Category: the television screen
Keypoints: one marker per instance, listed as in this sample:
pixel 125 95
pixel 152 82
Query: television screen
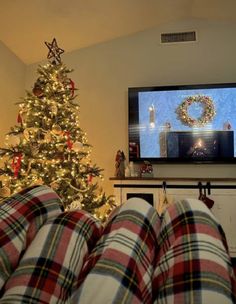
pixel 190 123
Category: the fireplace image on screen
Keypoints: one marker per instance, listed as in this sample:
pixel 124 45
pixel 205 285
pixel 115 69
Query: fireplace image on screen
pixel 200 144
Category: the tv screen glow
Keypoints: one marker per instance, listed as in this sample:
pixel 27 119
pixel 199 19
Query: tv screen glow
pixel 190 123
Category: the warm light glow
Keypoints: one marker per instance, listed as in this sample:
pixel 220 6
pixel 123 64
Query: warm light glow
pixel 199 143
pixel 151 116
pixel 45 152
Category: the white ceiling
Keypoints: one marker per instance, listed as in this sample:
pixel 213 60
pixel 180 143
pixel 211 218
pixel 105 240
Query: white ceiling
pixel 26 24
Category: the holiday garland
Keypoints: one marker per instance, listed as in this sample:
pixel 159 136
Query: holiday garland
pixel 207 114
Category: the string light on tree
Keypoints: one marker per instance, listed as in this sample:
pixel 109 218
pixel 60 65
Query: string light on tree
pixel 47 146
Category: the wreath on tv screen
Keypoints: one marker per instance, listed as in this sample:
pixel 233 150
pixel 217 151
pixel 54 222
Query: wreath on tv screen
pixel 207 114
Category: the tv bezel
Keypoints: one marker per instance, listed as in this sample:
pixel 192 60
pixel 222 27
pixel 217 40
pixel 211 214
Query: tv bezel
pixel 133 104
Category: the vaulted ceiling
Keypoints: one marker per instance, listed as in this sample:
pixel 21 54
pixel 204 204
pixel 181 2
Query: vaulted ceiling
pixel 26 24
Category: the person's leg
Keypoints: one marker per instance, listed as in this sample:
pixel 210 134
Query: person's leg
pixel 21 216
pixel 193 264
pixel 120 268
pixel 53 261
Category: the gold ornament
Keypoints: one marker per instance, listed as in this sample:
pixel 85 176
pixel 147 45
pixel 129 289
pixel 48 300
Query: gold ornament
pixel 48 137
pixel 54 109
pixel 34 172
pixel 207 115
pixel 77 146
pixel 56 129
pixel 54 185
pixel 37 182
pixel 26 134
pixel 5 192
pixel 34 149
pixel 76 204
pixel 29 167
pixel 60 147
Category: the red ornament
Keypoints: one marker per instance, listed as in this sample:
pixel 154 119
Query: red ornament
pixel 90 178
pixel 68 141
pixel 72 87
pixel 37 91
pixel 19 118
pixel 16 163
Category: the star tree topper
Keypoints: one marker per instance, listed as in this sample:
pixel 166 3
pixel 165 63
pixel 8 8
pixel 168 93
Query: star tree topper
pixel 54 51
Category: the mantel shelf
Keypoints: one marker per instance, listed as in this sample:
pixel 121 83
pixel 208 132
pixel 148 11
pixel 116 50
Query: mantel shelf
pixel 186 179
pixel 222 190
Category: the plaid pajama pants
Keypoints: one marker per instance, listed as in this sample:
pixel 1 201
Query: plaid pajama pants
pixel 136 258
pixel 51 264
pixel 192 263
pixel 179 259
pixel 120 268
pixel 21 216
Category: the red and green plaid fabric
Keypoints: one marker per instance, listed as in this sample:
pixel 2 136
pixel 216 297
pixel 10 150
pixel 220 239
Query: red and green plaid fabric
pixel 193 264
pixel 54 259
pixel 21 217
pixel 120 268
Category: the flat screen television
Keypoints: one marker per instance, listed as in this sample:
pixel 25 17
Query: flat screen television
pixel 182 123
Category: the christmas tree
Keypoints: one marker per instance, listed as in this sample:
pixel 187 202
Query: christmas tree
pixel 47 146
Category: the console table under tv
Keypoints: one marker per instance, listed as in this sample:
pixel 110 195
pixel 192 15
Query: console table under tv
pixel 221 190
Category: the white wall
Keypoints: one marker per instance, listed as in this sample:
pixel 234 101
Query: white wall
pixel 12 75
pixel 104 72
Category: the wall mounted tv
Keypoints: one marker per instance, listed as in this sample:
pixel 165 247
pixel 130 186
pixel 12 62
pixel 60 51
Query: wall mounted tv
pixel 183 123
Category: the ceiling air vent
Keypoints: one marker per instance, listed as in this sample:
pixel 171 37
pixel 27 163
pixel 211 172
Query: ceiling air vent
pixel 178 37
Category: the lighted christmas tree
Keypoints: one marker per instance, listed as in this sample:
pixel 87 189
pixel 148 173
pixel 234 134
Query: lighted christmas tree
pixel 47 146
